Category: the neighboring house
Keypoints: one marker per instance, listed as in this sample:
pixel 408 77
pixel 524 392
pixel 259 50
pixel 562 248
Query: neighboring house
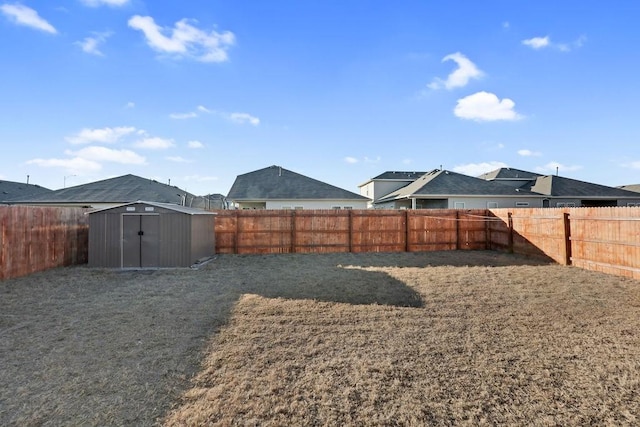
pixel 10 190
pixel 385 183
pixel 210 202
pixel 632 187
pixel 110 192
pixel 563 192
pixel 442 189
pixel 275 187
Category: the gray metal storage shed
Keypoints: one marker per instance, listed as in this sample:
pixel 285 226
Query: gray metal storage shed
pixel 149 235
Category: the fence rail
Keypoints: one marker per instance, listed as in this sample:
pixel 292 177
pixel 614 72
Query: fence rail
pixel 38 238
pixel 600 239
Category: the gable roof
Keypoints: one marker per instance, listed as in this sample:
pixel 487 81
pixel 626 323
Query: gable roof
pixel 176 208
pixel 10 190
pixel 275 182
pixel 509 173
pixel 122 189
pixel 558 186
pixel 446 183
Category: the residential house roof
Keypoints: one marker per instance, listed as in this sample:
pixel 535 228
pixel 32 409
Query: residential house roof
pixel 10 190
pixel 632 187
pixel 446 183
pixel 276 182
pixel 509 173
pixel 559 186
pixel 122 189
pixel 394 176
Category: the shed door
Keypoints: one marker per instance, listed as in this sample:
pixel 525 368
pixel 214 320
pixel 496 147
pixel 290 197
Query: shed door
pixel 140 240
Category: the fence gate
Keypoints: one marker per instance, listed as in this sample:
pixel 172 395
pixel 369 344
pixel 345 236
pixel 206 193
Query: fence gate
pixel 140 240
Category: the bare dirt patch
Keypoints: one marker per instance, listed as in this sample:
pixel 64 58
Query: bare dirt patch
pixel 336 339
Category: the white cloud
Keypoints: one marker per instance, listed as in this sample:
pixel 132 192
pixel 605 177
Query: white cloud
pixel 76 165
pixel 195 144
pixel 130 105
pixel 537 42
pixel 103 154
pixel 242 118
pixel 350 160
pixel 155 143
pixel 632 165
pixel 23 15
pixel 545 42
pixel 183 116
pixel 460 77
pixel 178 159
pixel 185 40
pixel 407 161
pixel 91 44
pixel 485 106
pixel 96 3
pixel 103 135
pixel 476 169
pixel 552 167
pixel 506 25
pixel 204 109
pixel 529 153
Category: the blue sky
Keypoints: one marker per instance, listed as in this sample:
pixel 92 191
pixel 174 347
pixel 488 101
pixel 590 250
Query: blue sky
pixel 199 92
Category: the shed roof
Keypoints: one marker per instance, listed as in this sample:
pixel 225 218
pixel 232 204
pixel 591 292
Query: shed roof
pixel 177 208
pixel 276 182
pixel 122 189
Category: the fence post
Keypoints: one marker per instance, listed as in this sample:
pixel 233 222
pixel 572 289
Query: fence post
pixel 293 231
pixel 407 231
pixel 487 231
pixel 510 222
pixel 350 230
pixel 237 233
pixel 567 238
pixel 457 230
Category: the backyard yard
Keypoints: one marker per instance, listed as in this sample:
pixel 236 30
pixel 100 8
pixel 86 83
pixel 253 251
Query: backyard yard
pixel 435 338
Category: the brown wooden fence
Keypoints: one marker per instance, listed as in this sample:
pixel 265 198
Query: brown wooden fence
pixel 599 239
pixel 36 238
pixel 289 231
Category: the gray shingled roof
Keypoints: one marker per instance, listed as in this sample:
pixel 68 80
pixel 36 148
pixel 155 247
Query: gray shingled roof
pixel 275 182
pixel 399 175
pixel 443 183
pixel 509 173
pixel 122 189
pixel 10 190
pixel 558 186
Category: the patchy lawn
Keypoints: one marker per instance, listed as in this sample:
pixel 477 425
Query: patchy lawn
pixel 337 339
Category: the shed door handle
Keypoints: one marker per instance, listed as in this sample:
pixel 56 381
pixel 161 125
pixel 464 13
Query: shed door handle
pixel 140 233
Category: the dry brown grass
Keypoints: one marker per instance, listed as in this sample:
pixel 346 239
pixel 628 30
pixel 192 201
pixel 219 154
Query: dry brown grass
pixel 528 345
pixel 444 338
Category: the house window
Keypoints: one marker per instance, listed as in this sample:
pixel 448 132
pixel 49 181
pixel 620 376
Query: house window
pixel 633 204
pixel 298 208
pixel 348 207
pixel 286 208
pixel 522 204
pixel 458 205
pixel 336 207
pixel 565 205
pixel 492 205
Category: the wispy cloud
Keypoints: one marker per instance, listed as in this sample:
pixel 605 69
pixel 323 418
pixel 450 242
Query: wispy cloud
pixel 486 107
pixel 155 143
pixel 195 144
pixel 104 154
pixel 112 3
pixel 91 44
pixel 461 76
pixel 184 39
pixel 350 160
pixel 538 43
pixel 183 116
pixel 178 159
pixel 553 167
pixel 529 153
pixel 23 15
pixel 130 104
pixel 103 135
pixel 476 169
pixel 76 165
pixel 244 118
